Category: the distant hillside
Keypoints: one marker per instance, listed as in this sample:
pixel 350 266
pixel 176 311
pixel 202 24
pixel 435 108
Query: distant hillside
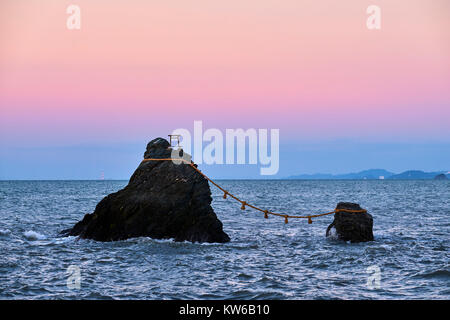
pixel 366 174
pixel 415 174
pixel 315 176
pixel 372 174
pixel 441 177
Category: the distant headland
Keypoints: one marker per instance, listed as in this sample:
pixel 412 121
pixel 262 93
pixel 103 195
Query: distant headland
pixel 377 174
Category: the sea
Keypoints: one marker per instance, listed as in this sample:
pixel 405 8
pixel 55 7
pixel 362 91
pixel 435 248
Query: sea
pixel 266 258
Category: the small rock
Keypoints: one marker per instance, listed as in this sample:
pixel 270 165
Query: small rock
pixel 441 177
pixel 352 226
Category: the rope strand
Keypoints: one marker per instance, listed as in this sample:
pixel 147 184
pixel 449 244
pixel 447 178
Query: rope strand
pixel 244 203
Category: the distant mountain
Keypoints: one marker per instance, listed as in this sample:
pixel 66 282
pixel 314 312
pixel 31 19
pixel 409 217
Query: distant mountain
pixel 366 174
pixel 441 177
pixel 372 174
pixel 315 176
pixel 415 174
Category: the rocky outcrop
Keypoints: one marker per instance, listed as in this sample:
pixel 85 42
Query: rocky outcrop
pixel 162 200
pixel 352 226
pixel 441 177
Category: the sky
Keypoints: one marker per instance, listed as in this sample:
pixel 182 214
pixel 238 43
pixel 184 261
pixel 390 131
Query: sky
pixel 78 104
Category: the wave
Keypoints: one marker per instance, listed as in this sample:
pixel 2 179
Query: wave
pixel 33 235
pixel 441 273
pixel 333 234
pixel 5 232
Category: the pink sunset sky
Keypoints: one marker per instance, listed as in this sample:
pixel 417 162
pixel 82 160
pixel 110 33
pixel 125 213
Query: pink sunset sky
pixel 138 69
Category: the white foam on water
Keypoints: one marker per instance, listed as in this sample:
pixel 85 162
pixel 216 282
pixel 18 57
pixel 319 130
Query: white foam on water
pixel 33 235
pixel 4 232
pixel 65 239
pixel 333 234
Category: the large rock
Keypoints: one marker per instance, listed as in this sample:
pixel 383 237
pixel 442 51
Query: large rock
pixel 162 200
pixel 352 226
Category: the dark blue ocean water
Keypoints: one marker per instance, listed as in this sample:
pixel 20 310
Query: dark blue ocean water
pixel 266 259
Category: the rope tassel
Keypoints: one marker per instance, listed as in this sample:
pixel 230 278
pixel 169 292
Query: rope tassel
pixel 266 214
pixel 286 219
pixel 309 220
pixel 243 205
pixel 225 195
